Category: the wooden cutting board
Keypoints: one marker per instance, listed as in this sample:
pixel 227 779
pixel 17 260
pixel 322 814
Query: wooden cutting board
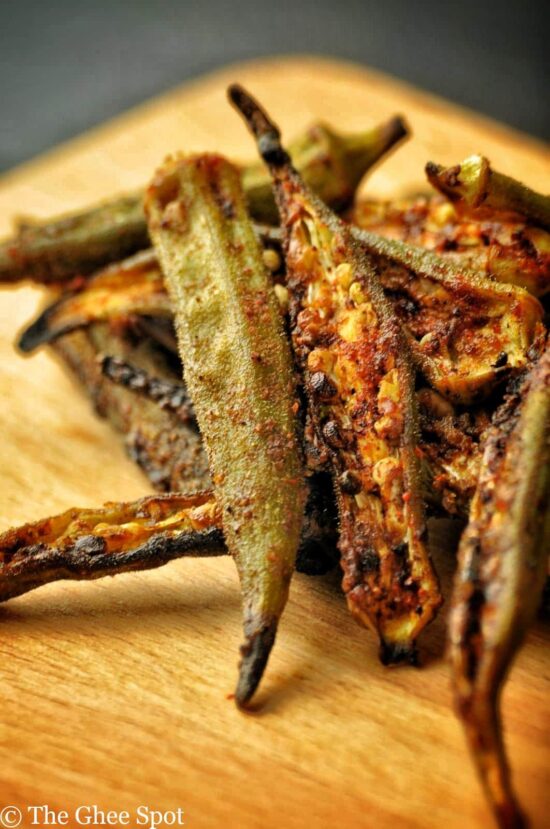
pixel 115 693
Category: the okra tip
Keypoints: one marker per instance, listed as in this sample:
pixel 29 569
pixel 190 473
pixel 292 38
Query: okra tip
pixel 255 653
pixel 397 653
pixel 394 130
pixel 260 125
pixel 36 334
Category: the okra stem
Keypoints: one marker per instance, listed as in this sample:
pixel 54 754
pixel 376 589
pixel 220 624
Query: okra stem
pixel 331 164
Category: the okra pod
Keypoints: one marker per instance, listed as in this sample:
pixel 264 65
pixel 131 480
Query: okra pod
pixel 133 287
pixel 92 543
pixel 81 243
pixel 473 185
pixel 501 573
pixel 503 247
pixel 467 332
pixel 75 245
pixel 83 544
pixel 166 444
pixel 330 163
pixel 239 373
pixel 359 379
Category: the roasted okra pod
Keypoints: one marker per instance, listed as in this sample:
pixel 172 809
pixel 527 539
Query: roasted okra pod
pixel 501 573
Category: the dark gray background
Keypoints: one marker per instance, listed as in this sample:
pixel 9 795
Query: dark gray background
pixel 69 64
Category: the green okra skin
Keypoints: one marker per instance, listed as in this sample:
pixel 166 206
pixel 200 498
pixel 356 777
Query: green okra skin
pixel 473 184
pixel 501 574
pixel 239 374
pixel 75 245
pixel 81 243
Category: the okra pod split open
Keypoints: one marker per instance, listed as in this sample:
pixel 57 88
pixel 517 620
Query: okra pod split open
pixel 239 373
pixel 132 287
pixel 473 185
pixel 92 543
pixel 84 544
pixel 467 332
pixel 81 243
pixel 359 379
pixel 501 573
pixel 448 444
pixel 507 248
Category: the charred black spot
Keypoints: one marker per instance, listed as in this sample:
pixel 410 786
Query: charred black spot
pixel 269 146
pixel 368 561
pixel 401 550
pixel 485 496
pixel 91 545
pixel 315 558
pixel 393 653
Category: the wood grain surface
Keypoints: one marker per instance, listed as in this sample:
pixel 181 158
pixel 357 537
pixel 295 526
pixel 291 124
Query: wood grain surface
pixel 116 692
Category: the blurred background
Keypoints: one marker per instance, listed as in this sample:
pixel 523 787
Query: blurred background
pixel 68 65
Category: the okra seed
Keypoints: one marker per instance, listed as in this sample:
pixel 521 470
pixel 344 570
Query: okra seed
pixel 331 434
pixel 272 259
pixel 322 386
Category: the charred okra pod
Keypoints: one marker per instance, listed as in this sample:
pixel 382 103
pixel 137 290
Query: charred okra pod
pixel 501 573
pixel 84 544
pixel 167 394
pixel 81 243
pixel 89 544
pixel 239 373
pixel 360 384
pixel 132 287
pixel 166 444
pixel 450 448
pixel 473 185
pixel 467 332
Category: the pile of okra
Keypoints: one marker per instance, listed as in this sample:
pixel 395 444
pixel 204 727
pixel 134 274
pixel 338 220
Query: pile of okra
pixel 306 377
